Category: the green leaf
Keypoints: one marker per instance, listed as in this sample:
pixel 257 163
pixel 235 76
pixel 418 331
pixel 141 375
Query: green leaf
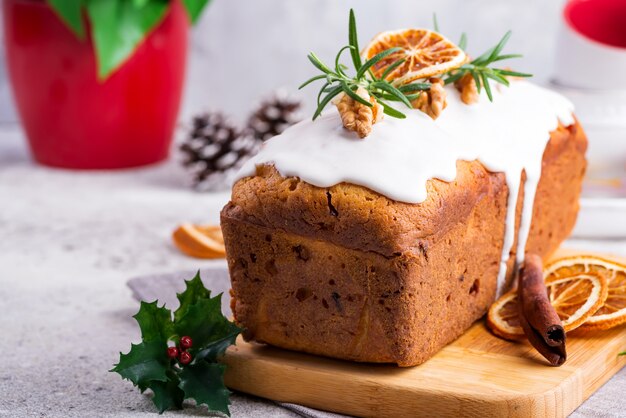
pixel 623 353
pixel 144 362
pixel 204 323
pixel 70 12
pixel 375 59
pixel 215 349
pixel 326 88
pixel 485 81
pixel 514 73
pixel 118 27
pixel 204 382
pixel 435 22
pixel 414 87
pixel 476 80
pixel 319 64
pixel 390 111
pixel 194 291
pixel 167 395
pixel 481 60
pixel 140 3
pixel 496 77
pixel 353 41
pixel 496 51
pixel 463 41
pixel 326 100
pixel 392 67
pixel 194 8
pixel 311 80
pixel 393 91
pixel 353 95
pixel 339 69
pixel 507 57
pixel 455 76
pixel 155 322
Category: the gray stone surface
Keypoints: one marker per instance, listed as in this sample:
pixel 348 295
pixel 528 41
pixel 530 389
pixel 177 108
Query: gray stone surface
pixel 69 241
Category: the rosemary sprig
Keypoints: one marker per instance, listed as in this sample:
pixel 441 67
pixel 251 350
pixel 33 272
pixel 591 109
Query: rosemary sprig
pixel 480 68
pixel 338 81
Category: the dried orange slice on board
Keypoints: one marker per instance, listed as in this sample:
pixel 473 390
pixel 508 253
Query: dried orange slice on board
pixel 613 312
pixel 425 54
pixel 200 241
pixel 503 317
pixel 575 298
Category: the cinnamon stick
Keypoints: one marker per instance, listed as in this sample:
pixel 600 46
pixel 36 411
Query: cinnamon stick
pixel 538 318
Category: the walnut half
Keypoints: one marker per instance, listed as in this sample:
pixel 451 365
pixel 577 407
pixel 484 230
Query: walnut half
pixel 466 85
pixel 433 101
pixel 355 115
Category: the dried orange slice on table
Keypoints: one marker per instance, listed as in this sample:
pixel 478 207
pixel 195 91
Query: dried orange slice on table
pixel 425 54
pixel 613 312
pixel 575 295
pixel 200 241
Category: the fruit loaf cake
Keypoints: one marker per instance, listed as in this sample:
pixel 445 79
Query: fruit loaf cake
pixel 386 249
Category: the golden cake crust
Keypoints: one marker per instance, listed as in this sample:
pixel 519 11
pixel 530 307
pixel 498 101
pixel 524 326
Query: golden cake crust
pixel 346 272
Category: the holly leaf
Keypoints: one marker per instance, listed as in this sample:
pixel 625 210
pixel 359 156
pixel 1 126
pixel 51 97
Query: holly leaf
pixel 144 362
pixel 204 322
pixel 167 395
pixel 216 348
pixel 194 291
pixel 204 382
pixel 194 8
pixel 148 366
pixel 118 27
pixel 155 322
pixel 70 12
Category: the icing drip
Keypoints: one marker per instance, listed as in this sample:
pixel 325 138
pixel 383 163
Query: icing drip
pixel 508 136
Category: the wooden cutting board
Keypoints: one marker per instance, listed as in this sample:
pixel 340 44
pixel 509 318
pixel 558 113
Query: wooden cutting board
pixel 478 375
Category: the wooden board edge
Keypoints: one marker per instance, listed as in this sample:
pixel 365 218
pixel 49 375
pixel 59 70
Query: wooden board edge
pixel 250 372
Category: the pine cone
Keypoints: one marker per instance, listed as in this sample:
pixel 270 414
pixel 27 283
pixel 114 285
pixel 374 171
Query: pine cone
pixel 274 115
pixel 215 148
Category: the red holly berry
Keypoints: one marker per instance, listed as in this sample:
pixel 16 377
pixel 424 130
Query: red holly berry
pixel 185 342
pixel 184 358
pixel 172 352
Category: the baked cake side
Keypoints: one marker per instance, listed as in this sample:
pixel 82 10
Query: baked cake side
pixel 348 273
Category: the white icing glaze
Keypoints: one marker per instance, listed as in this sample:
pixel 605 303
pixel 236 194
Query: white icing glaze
pixel 401 155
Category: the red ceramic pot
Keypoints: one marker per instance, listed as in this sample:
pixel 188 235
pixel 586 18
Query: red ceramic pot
pixel 71 118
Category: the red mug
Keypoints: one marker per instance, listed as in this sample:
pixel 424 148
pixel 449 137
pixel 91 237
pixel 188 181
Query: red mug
pixel 591 48
pixel 74 120
pixel 602 21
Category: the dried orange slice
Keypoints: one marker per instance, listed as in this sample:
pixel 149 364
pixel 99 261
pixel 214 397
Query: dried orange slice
pixel 425 54
pixel 212 231
pixel 613 312
pixel 200 241
pixel 503 319
pixel 575 297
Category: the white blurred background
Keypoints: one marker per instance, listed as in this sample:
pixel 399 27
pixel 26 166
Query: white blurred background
pixel 241 50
